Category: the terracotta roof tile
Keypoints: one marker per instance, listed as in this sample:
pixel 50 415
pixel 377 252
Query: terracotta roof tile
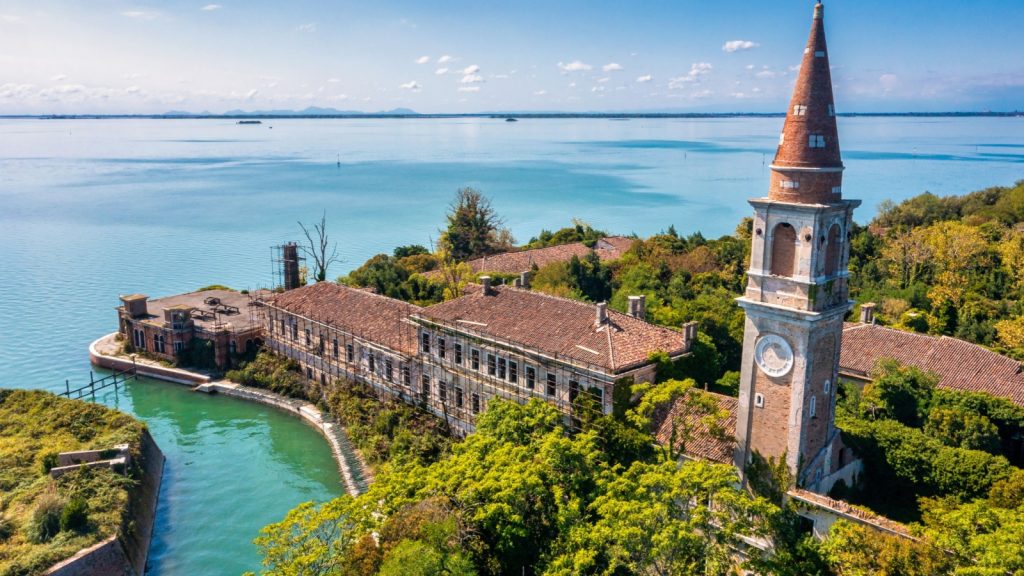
pixel 959 364
pixel 367 315
pixel 702 444
pixel 557 326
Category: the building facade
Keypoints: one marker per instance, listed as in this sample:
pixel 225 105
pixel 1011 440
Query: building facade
pixel 797 292
pixel 453 358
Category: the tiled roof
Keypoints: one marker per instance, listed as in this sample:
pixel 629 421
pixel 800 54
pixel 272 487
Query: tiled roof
pixel 960 365
pixel 846 509
pixel 608 248
pixel 367 315
pixel 702 444
pixel 557 326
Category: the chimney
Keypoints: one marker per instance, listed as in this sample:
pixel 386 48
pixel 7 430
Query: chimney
pixel 689 333
pixel 867 313
pixel 602 313
pixel 290 264
pixel 517 283
pixel 485 281
pixel 524 280
pixel 638 307
pixel 135 305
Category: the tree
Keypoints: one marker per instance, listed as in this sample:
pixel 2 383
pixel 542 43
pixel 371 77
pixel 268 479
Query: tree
pixel 319 248
pixel 311 540
pixel 957 427
pixel 455 275
pixel 898 392
pixel 856 550
pixel 474 228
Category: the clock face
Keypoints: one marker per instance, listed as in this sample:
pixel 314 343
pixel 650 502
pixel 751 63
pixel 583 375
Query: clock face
pixel 774 355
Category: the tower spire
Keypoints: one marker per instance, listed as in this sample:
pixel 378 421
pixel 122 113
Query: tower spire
pixel 808 166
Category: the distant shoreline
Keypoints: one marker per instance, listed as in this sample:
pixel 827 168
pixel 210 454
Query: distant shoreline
pixel 526 115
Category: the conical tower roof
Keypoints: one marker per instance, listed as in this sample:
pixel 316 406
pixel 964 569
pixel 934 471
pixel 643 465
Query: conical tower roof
pixel 808 165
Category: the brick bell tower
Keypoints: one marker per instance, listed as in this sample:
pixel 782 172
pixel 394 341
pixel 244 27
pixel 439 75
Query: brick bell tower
pixel 797 291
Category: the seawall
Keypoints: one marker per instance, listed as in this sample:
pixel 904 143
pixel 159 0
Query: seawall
pixel 355 474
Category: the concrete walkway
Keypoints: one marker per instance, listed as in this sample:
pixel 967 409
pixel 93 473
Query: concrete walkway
pixel 355 474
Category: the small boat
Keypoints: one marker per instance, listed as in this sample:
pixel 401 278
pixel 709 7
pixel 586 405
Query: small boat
pixel 250 122
pixel 511 120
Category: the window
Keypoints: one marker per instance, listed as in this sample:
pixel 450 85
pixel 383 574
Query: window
pixel 492 365
pixel 759 400
pixel 295 331
pixel 813 408
pixel 232 346
pixel 309 337
pixel 474 359
pixel 458 397
pixel 828 387
pixel 139 339
pixel 531 377
pixel 819 54
pixel 476 403
pixel 815 141
pixel 321 345
pixel 334 347
pixel 552 384
pixel 389 369
pixel 309 373
pixel 406 377
pixel 574 390
pixel 783 250
pixel 373 363
pixel 799 110
pixel 501 368
pixel 350 353
pixel 513 371
pixel 442 349
pixel 179 346
pixel 425 346
pixel 158 343
pixel 788 184
pixel 283 329
pixel 833 252
pixel 831 110
pixel 425 388
pixel 598 394
pixel 442 390
pixel 458 353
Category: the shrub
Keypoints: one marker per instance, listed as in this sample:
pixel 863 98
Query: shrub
pixel 6 528
pixel 271 372
pixel 75 517
pixel 45 521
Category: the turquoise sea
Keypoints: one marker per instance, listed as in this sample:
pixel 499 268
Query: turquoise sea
pixel 90 209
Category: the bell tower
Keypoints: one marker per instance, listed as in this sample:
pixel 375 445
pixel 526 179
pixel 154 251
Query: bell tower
pixel 797 292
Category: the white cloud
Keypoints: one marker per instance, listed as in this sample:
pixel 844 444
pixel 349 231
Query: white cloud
pixel 574 66
pixel 133 89
pixel 471 69
pixel 423 59
pixel 444 59
pixel 750 66
pixel 766 74
pixel 309 27
pixel 441 71
pixel 211 7
pixel 644 78
pixel 540 92
pixel 469 88
pixel 572 84
pixel 251 94
pixel 612 67
pixel 9 18
pixel 603 80
pixel 471 79
pixel 697 69
pixel 58 78
pixel 333 80
pixel 142 14
pixel 411 85
pixel 597 89
pixel 738 45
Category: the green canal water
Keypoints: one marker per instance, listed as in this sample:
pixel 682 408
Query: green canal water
pixel 232 466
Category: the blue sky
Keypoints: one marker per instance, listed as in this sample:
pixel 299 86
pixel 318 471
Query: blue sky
pixel 109 56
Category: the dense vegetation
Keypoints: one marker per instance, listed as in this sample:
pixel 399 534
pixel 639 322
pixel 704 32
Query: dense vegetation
pixel 271 372
pixel 42 520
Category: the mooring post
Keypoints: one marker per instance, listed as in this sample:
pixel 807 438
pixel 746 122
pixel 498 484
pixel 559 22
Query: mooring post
pixel 67 388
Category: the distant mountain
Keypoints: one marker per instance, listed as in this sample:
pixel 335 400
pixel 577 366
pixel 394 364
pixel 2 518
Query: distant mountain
pixel 310 111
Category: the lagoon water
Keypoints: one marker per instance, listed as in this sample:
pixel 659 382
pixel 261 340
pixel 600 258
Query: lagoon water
pixel 90 209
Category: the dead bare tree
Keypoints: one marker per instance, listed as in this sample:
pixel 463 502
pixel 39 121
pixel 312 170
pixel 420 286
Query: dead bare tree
pixel 319 248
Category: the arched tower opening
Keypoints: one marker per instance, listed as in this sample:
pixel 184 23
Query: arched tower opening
pixel 833 251
pixel 783 250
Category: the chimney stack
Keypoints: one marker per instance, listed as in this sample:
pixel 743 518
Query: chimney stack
pixel 524 280
pixel 517 283
pixel 602 313
pixel 689 333
pixel 867 313
pixel 485 281
pixel 290 261
pixel 638 307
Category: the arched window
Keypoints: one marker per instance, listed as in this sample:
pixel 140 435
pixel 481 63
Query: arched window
pixel 783 250
pixel 832 251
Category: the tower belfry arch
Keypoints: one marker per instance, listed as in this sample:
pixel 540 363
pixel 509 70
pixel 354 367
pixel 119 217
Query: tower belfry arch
pixel 797 292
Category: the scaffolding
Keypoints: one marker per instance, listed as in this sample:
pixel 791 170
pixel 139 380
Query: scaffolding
pixel 285 266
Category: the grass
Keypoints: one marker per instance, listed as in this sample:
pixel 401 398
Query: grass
pixel 42 520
